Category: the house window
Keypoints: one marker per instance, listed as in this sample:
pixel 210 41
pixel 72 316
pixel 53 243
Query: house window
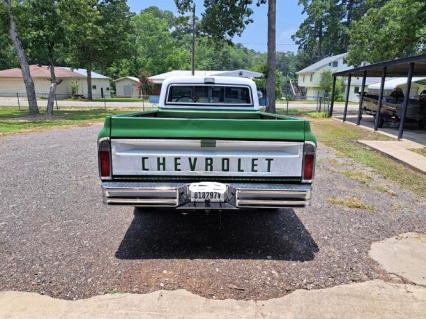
pixel 356 90
pixel 107 89
pixel 312 76
pixel 303 80
pixel 335 64
pixel 94 87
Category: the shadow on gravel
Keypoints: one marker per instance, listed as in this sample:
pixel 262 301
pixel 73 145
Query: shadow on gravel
pixel 278 235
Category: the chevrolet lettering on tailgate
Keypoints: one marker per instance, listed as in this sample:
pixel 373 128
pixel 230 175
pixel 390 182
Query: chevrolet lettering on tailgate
pixel 207 147
pixel 206 164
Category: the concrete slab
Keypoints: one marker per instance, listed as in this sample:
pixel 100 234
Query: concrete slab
pixel 367 123
pixel 372 299
pixel 400 150
pixel 403 255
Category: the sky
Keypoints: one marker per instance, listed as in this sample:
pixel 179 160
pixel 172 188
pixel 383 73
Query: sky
pixel 289 17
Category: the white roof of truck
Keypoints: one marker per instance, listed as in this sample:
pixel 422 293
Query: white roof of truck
pixel 208 80
pixel 159 78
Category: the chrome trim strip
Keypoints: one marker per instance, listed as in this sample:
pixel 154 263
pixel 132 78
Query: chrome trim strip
pixel 269 203
pixel 144 202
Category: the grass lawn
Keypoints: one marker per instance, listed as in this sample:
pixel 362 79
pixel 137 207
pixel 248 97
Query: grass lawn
pixel 343 138
pixel 421 151
pixel 15 121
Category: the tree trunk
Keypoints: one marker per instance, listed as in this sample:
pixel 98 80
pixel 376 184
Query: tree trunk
pixel 25 68
pixel 52 89
pixel 270 80
pixel 89 82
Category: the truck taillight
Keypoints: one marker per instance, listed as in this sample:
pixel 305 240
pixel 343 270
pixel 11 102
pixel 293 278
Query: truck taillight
pixel 104 156
pixel 308 161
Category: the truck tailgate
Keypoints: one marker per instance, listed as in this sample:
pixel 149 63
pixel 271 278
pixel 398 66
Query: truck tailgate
pixel 206 157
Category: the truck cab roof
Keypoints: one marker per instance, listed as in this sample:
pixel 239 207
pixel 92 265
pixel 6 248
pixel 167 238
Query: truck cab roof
pixel 209 92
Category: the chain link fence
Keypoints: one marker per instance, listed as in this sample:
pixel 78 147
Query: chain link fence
pixel 19 100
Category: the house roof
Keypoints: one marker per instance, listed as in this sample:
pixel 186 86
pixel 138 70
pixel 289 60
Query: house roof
pixel 83 72
pixel 398 67
pixel 37 71
pixel 394 83
pixel 43 72
pixel 324 62
pixel 159 78
pixel 132 78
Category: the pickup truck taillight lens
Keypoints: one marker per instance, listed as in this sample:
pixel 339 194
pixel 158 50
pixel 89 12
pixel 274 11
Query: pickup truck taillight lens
pixel 104 156
pixel 308 161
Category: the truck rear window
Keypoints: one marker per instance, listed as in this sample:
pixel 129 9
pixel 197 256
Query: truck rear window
pixel 209 94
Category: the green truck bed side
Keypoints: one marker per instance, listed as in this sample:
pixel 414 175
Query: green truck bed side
pixel 207 124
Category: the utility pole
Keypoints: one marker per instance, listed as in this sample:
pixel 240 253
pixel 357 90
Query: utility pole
pixel 193 40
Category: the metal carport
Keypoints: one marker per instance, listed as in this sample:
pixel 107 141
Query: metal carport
pixel 409 67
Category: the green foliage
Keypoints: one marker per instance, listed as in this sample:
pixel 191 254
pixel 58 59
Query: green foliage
pixel 161 42
pixel 42 31
pixel 233 15
pixel 339 91
pixel 399 31
pixel 326 81
pixel 97 31
pixel 279 83
pixel 7 52
pixel 325 30
pixel 155 48
pixel 74 88
pixel 326 84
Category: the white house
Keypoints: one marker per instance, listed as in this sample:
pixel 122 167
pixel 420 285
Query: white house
pixel 310 77
pixel 127 86
pixel 12 83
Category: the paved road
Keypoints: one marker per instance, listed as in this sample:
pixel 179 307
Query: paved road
pixel 57 238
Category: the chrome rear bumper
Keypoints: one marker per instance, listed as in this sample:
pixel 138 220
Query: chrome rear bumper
pixel 176 195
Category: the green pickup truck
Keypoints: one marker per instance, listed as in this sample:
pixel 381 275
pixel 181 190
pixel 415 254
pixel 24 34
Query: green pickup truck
pixel 208 146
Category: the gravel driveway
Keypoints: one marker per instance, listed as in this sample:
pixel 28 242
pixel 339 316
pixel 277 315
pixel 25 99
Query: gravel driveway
pixel 57 238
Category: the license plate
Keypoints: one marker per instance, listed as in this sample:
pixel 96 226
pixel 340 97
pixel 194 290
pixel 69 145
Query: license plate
pixel 207 191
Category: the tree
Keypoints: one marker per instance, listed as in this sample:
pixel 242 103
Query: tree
pixel 7 52
pixel 272 56
pixel 161 42
pixel 97 33
pixel 234 15
pixel 325 30
pixel 321 33
pixel 261 83
pixel 326 84
pixel 44 38
pixel 156 49
pixel 399 31
pixel 15 37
